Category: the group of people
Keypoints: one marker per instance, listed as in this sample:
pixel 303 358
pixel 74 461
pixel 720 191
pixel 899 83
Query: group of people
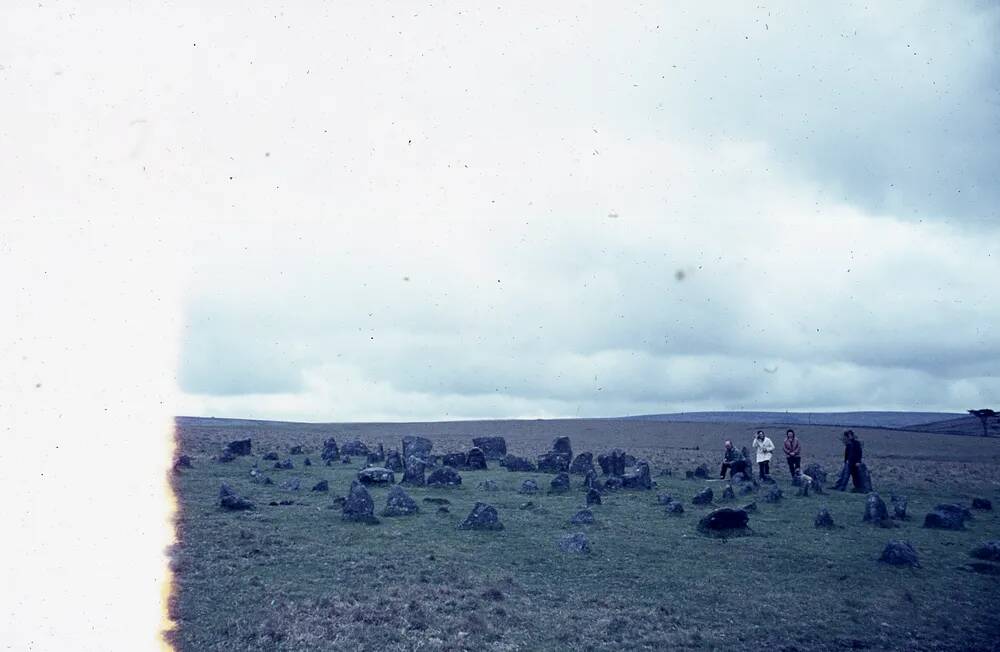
pixel 735 461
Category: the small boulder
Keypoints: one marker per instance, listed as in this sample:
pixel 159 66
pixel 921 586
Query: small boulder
pixel 824 519
pixel 376 475
pixel 393 461
pixel 454 460
pixel 674 509
pixel 562 446
pixel 413 474
pixel 725 521
pixel 553 462
pixel 229 500
pixel 482 517
pixel 582 517
pixel 527 506
pixel 330 451
pixel 898 507
pixel 444 477
pixel 638 478
pixel 529 487
pixel 416 446
pixel 612 462
pixel 182 462
pixel 575 543
pixel 475 460
pixel 899 553
pixel 593 497
pixel 590 480
pixel 817 473
pixel 515 463
pixel 701 472
pixel 355 447
pixel 225 456
pixel 728 493
pixel 271 457
pixel 239 447
pixel 773 495
pixel 613 482
pixel 494 448
pixel 291 484
pixel 947 517
pixel 747 488
pixel 286 465
pixel 307 462
pixel 399 503
pixel 982 503
pixel 703 497
pixel 322 485
pixel 559 484
pixel 295 450
pixel 582 464
pixel 875 510
pixel 664 499
pixel 989 551
pixel 359 506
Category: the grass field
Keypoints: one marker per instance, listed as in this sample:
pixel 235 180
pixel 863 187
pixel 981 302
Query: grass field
pixel 296 577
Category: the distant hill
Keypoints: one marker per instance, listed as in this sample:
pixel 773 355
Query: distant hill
pixel 894 420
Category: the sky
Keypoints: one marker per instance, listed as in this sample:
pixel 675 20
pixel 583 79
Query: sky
pixel 374 211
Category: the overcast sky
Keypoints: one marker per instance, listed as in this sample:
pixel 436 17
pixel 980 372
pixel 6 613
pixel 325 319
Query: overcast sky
pixel 443 211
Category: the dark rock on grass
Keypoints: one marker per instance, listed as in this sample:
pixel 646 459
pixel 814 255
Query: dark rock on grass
pixel 225 456
pixel 725 521
pixel 182 462
pixel 562 446
pixel 638 478
pixel 281 503
pixel 295 450
pixel 674 509
pixel 393 461
pixel 444 477
pixel 229 500
pixel 346 459
pixel 593 497
pixel 816 472
pixel 399 503
pixel 982 503
pixel 575 543
pixel 322 485
pixel 443 510
pixel 582 517
pixel 703 497
pixel 482 517
pixel 875 510
pixel 582 464
pixel 738 477
pixel 454 460
pixel 475 460
pixel 488 485
pixel 291 484
pixel 728 493
pixel 359 506
pixel 664 499
pixel 612 462
pixel 773 495
pixel 416 446
pixel 376 475
pixel 989 550
pixel 286 465
pixel 494 448
pixel 898 507
pixel 553 462
pixel 355 447
pixel 437 501
pixel 750 508
pixel 947 516
pixel 899 553
pixel 591 481
pixel 271 457
pixel 866 480
pixel 413 474
pixel 701 472
pixel 559 484
pixel 307 462
pixel 515 463
pixel 527 505
pixel 613 482
pixel 747 488
pixel 267 481
pixel 823 519
pixel 529 486
pixel 338 502
pixel 239 447
pixel 330 450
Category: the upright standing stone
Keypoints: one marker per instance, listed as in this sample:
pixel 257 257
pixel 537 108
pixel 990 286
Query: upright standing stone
pixel 638 478
pixel 824 519
pixel 875 510
pixel 359 506
pixel 239 447
pixel 416 446
pixel 559 484
pixel 898 507
pixel 393 461
pixel 612 462
pixel 494 448
pixel 583 464
pixel 475 460
pixel 593 497
pixel 866 480
pixel 399 503
pixel 330 451
pixel 413 474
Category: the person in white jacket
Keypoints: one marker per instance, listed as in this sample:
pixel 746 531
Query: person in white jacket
pixel 763 446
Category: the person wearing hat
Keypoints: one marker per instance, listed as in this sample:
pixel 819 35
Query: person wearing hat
pixel 763 447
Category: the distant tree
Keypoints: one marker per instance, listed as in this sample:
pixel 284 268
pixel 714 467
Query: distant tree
pixel 984 416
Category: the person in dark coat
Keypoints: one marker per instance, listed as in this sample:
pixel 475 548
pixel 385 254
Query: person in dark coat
pixel 852 458
pixel 732 461
pixel 793 452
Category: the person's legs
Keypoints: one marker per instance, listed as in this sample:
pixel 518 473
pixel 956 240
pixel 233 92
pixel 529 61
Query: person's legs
pixel 855 477
pixel 725 467
pixel 767 469
pixel 791 465
pixel 797 460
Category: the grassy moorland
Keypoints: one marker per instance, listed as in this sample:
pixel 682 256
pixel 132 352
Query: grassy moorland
pixel 296 577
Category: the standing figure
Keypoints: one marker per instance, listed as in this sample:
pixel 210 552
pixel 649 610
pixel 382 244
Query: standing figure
pixel 793 452
pixel 763 446
pixel 852 458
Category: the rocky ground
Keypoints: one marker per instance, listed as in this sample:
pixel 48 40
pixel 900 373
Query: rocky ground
pixel 269 563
